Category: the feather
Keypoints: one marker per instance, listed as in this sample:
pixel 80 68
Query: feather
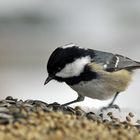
pixel 114 62
pixel 116 81
pixel 127 63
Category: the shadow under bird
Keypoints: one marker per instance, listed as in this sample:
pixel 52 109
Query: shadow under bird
pixel 91 73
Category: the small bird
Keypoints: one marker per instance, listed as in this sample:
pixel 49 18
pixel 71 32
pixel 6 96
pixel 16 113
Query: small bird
pixel 91 73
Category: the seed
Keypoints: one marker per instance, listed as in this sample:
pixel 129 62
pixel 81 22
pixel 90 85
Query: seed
pixel 116 119
pixel 3 109
pixel 91 116
pixel 101 115
pixel 131 114
pixel 77 108
pixel 9 98
pixel 128 118
pixel 78 112
pixel 111 117
pixel 29 102
pixel 31 117
pixel 59 134
pixel 4 121
pixel 4 104
pixel 138 121
pixel 109 113
pixel 7 116
pixel 11 101
pixel 105 121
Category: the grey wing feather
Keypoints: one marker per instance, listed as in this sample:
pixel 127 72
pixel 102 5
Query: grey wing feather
pixel 114 62
pixel 127 63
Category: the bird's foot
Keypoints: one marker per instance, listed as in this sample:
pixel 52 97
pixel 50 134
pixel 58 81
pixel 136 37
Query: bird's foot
pixel 110 106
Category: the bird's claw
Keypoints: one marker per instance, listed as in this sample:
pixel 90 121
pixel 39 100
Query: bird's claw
pixel 110 107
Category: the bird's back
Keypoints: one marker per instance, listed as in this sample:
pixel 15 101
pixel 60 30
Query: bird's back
pixel 114 62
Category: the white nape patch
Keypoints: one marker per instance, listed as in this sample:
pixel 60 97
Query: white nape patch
pixel 68 45
pixel 117 61
pixel 75 68
pixel 72 45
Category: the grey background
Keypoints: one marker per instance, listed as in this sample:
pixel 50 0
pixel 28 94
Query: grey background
pixel 31 29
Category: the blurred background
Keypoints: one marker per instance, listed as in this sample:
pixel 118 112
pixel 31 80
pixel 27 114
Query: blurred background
pixel 31 29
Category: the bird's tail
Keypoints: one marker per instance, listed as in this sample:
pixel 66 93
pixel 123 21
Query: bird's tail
pixel 133 66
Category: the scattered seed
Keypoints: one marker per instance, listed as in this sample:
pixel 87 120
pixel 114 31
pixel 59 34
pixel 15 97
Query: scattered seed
pixel 7 116
pixel 91 116
pixel 105 121
pixel 39 120
pixel 138 121
pixel 131 114
pixel 109 113
pixel 128 118
pixel 3 109
pixel 9 98
pixel 101 115
pixel 111 117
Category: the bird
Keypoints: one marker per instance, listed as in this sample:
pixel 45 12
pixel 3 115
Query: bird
pixel 91 73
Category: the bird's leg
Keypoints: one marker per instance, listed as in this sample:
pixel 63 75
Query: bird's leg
pixel 112 102
pixel 80 98
pixel 112 105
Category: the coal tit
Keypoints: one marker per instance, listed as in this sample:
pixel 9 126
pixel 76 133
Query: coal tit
pixel 91 73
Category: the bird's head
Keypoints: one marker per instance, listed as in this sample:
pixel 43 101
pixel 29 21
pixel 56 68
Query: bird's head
pixel 67 62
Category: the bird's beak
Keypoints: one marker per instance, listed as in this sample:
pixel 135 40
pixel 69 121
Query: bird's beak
pixel 48 80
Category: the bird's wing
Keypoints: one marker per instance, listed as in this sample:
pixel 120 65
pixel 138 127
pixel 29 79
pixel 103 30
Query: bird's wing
pixel 114 62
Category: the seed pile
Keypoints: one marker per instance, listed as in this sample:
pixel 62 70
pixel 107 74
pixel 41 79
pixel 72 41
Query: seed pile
pixel 37 120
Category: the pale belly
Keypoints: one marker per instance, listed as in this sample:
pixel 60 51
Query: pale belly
pixel 95 89
pixel 106 86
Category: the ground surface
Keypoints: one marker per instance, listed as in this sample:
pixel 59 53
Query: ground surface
pixel 36 120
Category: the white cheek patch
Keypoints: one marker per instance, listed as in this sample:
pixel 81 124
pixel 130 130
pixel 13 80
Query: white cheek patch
pixel 75 68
